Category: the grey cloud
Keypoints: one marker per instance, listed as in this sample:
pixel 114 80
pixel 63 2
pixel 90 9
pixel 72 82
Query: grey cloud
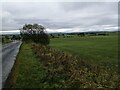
pixel 72 6
pixel 59 15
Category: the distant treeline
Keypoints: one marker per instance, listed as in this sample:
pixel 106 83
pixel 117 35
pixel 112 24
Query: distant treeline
pixel 57 35
pixel 9 38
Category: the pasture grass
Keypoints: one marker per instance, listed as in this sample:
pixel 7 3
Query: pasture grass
pixel 94 49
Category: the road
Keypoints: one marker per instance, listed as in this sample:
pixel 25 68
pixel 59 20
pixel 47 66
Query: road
pixel 9 53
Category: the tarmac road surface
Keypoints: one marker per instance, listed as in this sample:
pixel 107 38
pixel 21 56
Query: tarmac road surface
pixel 9 53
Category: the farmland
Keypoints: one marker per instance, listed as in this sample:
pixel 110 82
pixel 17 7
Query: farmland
pixel 94 49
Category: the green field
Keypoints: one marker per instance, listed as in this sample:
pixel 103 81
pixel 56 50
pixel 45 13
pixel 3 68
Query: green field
pixel 94 49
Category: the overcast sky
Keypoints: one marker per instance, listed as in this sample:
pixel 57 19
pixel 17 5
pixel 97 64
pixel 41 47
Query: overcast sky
pixel 61 16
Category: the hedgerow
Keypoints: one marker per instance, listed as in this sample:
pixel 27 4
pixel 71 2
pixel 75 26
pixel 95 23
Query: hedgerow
pixel 65 70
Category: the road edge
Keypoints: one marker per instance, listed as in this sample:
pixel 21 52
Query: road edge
pixel 19 47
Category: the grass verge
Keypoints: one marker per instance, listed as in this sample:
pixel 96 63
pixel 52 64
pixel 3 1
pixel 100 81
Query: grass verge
pixel 27 72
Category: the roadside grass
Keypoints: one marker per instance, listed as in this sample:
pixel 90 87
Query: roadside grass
pixel 27 72
pixel 93 49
